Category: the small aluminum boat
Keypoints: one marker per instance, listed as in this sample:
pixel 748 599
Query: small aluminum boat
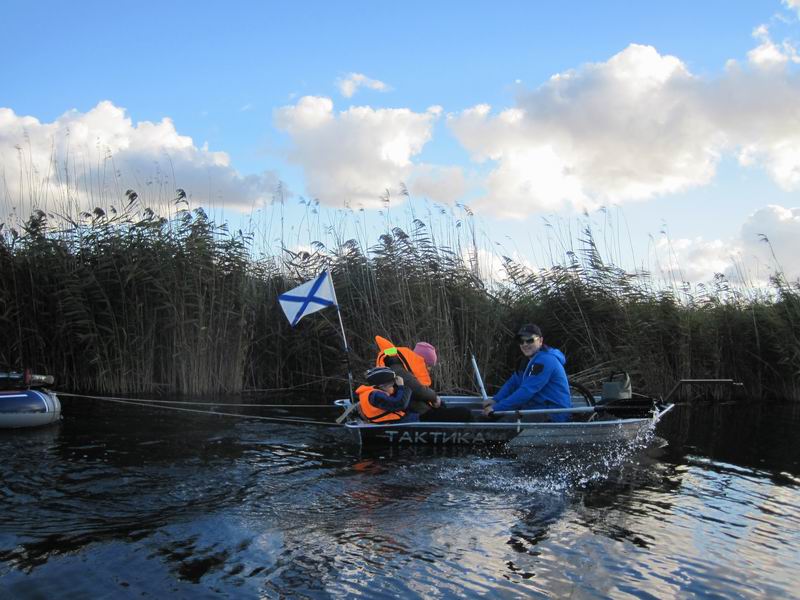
pixel 23 406
pixel 593 421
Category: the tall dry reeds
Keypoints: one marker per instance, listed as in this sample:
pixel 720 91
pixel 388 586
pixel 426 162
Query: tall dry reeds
pixel 113 304
pixel 605 316
pixel 130 302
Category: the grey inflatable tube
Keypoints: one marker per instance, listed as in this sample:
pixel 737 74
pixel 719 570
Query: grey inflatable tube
pixel 28 408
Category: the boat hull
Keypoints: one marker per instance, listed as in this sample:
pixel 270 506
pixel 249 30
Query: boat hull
pixel 513 433
pixel 28 408
pixel 580 434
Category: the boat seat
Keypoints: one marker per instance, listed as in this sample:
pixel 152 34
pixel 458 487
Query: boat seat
pixel 579 402
pixel 477 413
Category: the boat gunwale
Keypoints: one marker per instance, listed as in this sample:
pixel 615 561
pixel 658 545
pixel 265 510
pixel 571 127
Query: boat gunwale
pixel 653 418
pixel 503 425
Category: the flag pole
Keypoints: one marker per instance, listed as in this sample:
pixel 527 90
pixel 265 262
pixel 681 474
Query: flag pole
pixel 346 347
pixel 305 299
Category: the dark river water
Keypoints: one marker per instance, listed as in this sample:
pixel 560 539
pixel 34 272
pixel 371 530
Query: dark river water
pixel 121 501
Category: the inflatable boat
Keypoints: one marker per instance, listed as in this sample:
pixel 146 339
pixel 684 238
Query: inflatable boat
pixel 25 400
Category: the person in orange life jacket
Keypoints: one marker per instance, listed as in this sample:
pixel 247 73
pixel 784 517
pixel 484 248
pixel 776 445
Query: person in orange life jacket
pixel 385 399
pixel 539 381
pixel 413 361
pixel 404 365
pixel 424 399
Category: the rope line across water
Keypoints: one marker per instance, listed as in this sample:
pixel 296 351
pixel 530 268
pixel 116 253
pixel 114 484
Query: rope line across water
pixel 199 403
pixel 144 402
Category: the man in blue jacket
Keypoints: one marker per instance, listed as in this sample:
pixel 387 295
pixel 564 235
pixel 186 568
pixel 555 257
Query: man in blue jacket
pixel 540 382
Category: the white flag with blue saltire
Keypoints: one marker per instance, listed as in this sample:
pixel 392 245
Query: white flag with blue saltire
pixel 308 298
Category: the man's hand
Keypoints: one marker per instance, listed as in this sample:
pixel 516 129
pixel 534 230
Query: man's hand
pixel 488 409
pixel 398 380
pixel 437 403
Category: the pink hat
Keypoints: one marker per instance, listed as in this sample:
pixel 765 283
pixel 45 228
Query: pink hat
pixel 427 352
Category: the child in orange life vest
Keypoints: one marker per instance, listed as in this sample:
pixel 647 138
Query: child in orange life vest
pixel 385 399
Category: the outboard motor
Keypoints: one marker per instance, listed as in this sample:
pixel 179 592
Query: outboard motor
pixel 618 387
pixel 618 399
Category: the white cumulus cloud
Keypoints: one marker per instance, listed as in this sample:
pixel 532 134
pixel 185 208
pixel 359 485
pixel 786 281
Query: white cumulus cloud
pixel 81 160
pixel 693 260
pixel 349 85
pixel 443 184
pixel 353 156
pixel 768 54
pixel 769 241
pixel 633 127
pixel 491 266
pixel 765 244
pixel 625 129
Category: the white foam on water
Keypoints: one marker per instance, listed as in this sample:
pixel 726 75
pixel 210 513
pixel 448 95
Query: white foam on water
pixel 555 471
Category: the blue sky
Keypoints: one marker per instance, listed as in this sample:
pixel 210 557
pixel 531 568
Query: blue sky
pixel 681 116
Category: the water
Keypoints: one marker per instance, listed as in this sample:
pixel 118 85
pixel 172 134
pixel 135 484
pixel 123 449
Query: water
pixel 130 502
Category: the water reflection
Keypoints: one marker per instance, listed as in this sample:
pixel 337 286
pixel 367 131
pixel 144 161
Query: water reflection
pixel 761 435
pixel 205 506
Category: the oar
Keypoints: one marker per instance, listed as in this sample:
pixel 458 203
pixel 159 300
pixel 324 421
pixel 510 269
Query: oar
pixel 480 380
pixel 350 409
pixel 555 411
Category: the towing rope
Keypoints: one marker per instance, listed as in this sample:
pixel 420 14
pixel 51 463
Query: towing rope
pixel 313 381
pixel 199 403
pixel 159 404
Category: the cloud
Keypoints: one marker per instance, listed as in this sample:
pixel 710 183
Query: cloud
pixel 81 160
pixel 768 54
pixel 352 157
pixel 443 184
pixel 490 266
pixel 634 127
pixel 624 129
pixel 349 85
pixel 693 260
pixel 766 243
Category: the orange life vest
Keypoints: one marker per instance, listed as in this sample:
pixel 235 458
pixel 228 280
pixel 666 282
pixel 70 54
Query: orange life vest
pixel 412 361
pixel 372 413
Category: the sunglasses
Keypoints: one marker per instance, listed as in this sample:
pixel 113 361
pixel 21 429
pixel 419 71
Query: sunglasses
pixel 530 340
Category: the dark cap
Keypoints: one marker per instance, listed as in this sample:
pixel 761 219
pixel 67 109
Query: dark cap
pixel 529 329
pixel 380 376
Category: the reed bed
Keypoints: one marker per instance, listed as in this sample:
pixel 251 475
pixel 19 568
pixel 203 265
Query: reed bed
pixel 131 302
